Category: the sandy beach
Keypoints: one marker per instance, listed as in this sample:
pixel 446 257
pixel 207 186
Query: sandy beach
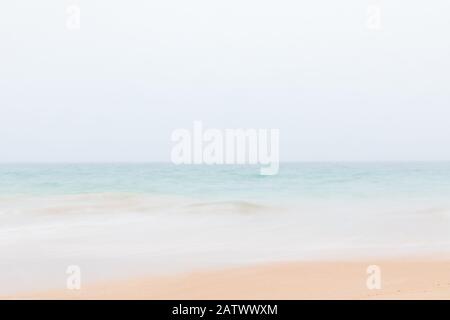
pixel 218 233
pixel 400 279
pixel 224 150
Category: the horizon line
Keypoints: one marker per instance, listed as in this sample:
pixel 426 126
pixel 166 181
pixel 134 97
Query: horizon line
pixel 224 164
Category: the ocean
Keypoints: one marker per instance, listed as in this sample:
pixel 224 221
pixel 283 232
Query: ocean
pixel 295 180
pixel 131 219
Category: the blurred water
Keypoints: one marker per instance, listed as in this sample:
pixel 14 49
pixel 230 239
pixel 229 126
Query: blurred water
pixel 295 180
pixel 130 219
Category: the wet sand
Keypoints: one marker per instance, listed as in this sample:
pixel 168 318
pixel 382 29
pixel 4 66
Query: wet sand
pixel 399 279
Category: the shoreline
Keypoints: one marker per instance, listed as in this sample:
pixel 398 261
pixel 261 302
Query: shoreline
pixel 412 278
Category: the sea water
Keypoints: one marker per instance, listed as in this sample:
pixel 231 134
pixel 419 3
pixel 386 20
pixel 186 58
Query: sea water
pixel 128 219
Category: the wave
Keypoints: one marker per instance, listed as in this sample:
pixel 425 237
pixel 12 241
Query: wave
pixel 141 203
pixel 240 207
pixel 122 203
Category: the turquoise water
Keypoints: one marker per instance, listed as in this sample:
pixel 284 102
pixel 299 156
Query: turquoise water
pixel 128 219
pixel 295 180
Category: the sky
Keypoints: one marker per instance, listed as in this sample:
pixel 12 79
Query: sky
pixel 337 88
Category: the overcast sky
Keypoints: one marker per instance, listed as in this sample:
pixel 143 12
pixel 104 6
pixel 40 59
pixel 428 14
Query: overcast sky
pixel 136 70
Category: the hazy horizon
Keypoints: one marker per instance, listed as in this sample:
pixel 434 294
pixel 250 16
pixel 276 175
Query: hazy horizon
pixel 236 165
